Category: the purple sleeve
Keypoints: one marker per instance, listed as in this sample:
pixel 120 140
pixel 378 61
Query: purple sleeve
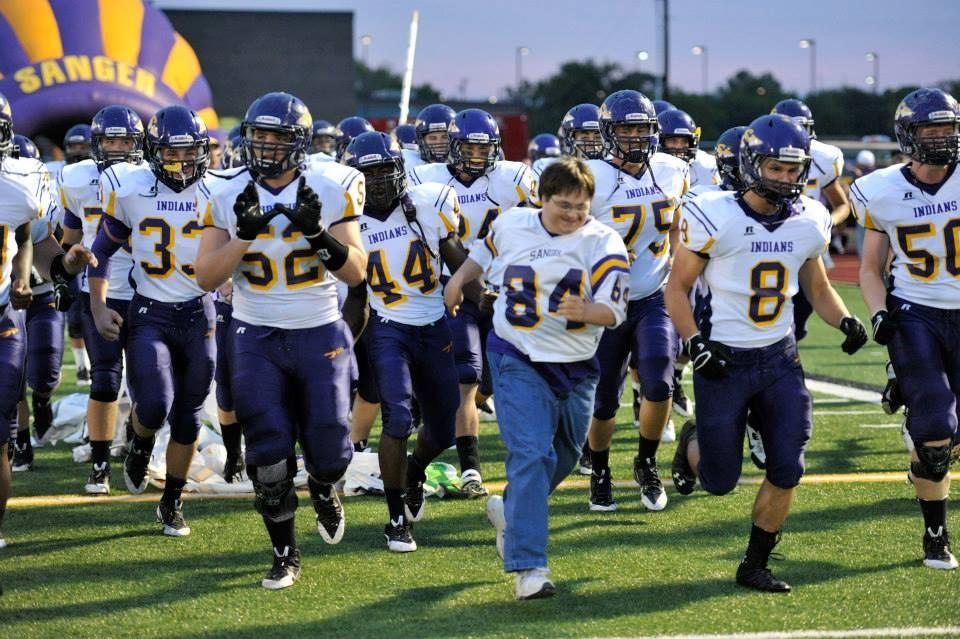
pixel 105 246
pixel 71 221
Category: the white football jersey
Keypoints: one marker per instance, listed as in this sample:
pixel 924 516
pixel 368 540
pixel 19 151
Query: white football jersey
pixel 281 281
pixel 164 232
pixel 24 197
pixel 703 169
pixel 535 271
pixel 538 166
pixel 508 184
pixel 403 268
pixel 753 270
pixel 825 167
pixel 411 160
pixel 80 195
pixel 641 209
pixel 923 225
pixel 320 158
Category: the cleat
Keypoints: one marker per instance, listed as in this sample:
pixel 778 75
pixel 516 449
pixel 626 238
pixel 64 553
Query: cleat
pixel 891 399
pixel 684 479
pixel 936 551
pixel 330 520
pixel 285 571
pixel 471 485
pixel 760 578
pixel 682 405
pixel 135 469
pixel 487 411
pixel 42 420
pixel 905 434
pixel 83 376
pixel 586 463
pixel 361 446
pixel 645 473
pixel 636 406
pixel 414 502
pixel 534 584
pixel 399 534
pixel 496 517
pixel 669 433
pixel 171 516
pixel 98 483
pixel 601 492
pixel 22 456
pixel 757 452
pixel 234 470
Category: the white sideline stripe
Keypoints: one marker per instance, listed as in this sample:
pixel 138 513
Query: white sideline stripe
pixel 838 400
pixel 817 413
pixel 847 392
pixel 821 634
pixel 879 425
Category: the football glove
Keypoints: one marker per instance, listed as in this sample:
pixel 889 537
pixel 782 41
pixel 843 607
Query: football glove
pixel 251 220
pixel 884 326
pixel 305 215
pixel 856 334
pixel 710 359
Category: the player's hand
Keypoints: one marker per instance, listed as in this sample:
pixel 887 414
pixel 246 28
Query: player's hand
pixel 251 220
pixel 108 321
pixel 226 291
pixel 77 259
pixel 20 294
pixel 884 326
pixel 452 298
pixel 573 308
pixel 305 215
pixel 710 359
pixel 856 334
pixel 487 299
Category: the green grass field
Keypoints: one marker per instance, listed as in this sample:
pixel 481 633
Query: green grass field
pixel 851 550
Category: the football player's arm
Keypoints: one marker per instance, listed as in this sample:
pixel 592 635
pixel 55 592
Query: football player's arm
pixel 839 204
pixel 355 310
pixel 110 238
pixel 876 248
pixel 354 269
pixel 453 291
pixel 687 267
pixel 20 293
pixel 824 299
pixel 217 257
pixel 577 309
pixel 72 228
pixel 454 255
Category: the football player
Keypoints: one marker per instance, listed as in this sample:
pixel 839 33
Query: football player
pixel 432 129
pixel 826 167
pixel 565 274
pixel 285 231
pixel 324 138
pixel 913 210
pixel 23 147
pixel 485 186
pixel 218 143
pixel 406 232
pixel 680 137
pixel 580 132
pixel 170 321
pixel 754 249
pixel 544 149
pixel 77 143
pixel 638 195
pixel 26 243
pixel 117 137
pixel 349 128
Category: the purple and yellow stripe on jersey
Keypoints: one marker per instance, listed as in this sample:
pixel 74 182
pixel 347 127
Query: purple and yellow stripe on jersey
pixel 606 266
pixel 488 242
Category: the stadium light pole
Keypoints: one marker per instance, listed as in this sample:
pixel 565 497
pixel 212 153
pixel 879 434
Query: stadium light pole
pixel 521 52
pixel 874 80
pixel 810 43
pixel 701 50
pixel 365 41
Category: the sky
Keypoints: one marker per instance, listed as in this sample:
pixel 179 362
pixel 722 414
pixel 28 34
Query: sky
pixel 475 43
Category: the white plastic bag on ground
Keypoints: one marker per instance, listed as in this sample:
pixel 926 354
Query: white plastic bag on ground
pixel 363 476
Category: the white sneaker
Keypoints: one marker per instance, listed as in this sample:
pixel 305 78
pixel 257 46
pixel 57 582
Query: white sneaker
pixel 534 584
pixel 907 439
pixel 495 515
pixel 669 433
pixel 757 453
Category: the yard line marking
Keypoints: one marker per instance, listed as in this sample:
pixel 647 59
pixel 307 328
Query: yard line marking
pixel 838 400
pixel 897 425
pixel 838 390
pixel 848 412
pixel 41 501
pixel 822 634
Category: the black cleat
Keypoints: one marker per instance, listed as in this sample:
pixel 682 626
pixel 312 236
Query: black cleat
pixel 42 419
pixel 234 470
pixel 586 463
pixel 760 578
pixel 399 536
pixel 171 516
pixel 684 479
pixel 681 403
pixel 936 551
pixel 83 376
pixel 98 483
pixel 135 468
pixel 645 473
pixel 471 485
pixel 414 501
pixel 601 492
pixel 22 455
pixel 285 571
pixel 330 521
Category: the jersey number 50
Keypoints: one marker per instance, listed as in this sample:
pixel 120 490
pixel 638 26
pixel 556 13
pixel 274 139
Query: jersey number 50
pixel 924 265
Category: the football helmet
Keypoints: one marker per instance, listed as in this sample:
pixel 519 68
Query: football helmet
pixel 435 118
pixel 477 128
pixel 780 138
pixel 544 145
pixel 728 158
pixel 662 105
pixel 576 121
pixel 406 136
pixel 628 108
pixel 369 153
pixel 925 107
pixel 177 127
pixel 675 123
pixel 77 143
pixel 349 128
pixel 324 138
pixel 797 111
pixel 116 121
pixel 6 127
pixel 286 116
pixel 23 147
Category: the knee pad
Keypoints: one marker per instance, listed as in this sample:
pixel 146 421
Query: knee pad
pixel 328 476
pixel 468 373
pixel 106 397
pixel 105 381
pixel 276 498
pixel 657 390
pixel 606 404
pixel 933 463
pixel 184 434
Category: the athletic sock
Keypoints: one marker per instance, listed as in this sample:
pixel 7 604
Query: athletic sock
pixel 468 449
pixel 934 515
pixel 100 451
pixel 394 503
pixel 760 546
pixel 648 448
pixel 282 534
pixel 599 460
pixel 172 489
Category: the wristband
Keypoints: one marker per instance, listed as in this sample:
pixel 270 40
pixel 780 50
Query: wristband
pixel 332 252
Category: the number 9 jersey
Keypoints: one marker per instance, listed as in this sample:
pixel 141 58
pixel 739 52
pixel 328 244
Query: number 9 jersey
pixel 753 264
pixel 280 281
pixel 923 228
pixel 536 271
pixel 641 209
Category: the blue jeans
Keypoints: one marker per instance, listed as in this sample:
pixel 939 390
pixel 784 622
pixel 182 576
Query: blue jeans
pixel 544 435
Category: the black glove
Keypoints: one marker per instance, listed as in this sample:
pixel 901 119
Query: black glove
pixel 251 220
pixel 884 326
pixel 305 215
pixel 64 294
pixel 856 334
pixel 891 399
pixel 710 359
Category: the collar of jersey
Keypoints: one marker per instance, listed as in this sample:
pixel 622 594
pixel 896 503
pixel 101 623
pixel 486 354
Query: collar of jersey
pixel 270 189
pixel 929 189
pixel 769 222
pixel 635 176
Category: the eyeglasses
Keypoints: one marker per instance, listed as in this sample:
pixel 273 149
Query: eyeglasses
pixel 563 205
